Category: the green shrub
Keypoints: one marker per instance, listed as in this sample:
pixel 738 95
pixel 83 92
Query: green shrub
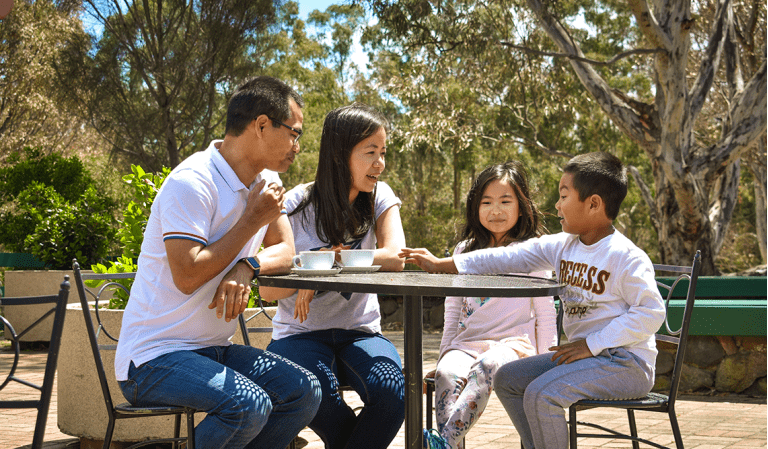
pixel 53 210
pixel 144 188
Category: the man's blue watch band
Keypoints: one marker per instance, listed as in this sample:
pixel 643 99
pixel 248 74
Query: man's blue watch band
pixel 253 263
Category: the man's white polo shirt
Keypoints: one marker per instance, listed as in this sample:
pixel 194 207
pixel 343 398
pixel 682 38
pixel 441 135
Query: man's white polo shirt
pixel 200 200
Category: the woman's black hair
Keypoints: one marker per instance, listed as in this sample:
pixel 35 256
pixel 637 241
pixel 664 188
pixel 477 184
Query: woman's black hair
pixel 530 224
pixel 336 220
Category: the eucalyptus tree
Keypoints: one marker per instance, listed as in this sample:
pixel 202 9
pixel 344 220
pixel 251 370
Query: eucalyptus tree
pixel 30 41
pixel 649 79
pixel 155 77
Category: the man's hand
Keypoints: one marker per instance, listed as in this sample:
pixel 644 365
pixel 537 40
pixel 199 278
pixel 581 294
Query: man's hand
pixel 233 292
pixel 571 352
pixel 301 309
pixel 427 262
pixel 264 207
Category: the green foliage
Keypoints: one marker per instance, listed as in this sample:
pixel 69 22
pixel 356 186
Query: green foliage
pixel 144 187
pixel 68 176
pixel 53 210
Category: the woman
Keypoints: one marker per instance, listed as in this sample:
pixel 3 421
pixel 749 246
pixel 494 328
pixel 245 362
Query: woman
pixel 339 338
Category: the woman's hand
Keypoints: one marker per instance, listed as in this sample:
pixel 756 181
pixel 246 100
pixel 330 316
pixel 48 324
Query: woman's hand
pixel 301 309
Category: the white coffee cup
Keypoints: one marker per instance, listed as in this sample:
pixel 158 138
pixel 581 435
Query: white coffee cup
pixel 314 260
pixel 357 257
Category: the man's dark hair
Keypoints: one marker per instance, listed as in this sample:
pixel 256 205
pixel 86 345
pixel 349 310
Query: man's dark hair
pixel 600 174
pixel 260 95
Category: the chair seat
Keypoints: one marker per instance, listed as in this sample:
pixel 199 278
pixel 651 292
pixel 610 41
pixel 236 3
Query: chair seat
pixel 651 400
pixel 127 408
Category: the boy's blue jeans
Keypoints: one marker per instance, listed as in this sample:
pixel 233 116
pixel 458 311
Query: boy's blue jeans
pixel 253 398
pixel 370 364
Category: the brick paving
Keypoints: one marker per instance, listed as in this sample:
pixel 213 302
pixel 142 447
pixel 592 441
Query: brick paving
pixel 705 422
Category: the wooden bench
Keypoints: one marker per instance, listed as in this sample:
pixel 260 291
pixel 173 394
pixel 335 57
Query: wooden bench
pixel 725 305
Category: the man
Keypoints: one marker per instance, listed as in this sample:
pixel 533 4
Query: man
pixel 198 257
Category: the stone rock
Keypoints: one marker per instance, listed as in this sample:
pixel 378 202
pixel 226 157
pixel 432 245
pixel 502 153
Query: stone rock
pixel 437 316
pixel 751 343
pixel 693 378
pixel 665 361
pixel 388 306
pixel 703 352
pixel 395 317
pixel 662 384
pixel 757 389
pixel 737 372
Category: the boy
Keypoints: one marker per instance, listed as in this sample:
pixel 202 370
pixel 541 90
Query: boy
pixel 611 303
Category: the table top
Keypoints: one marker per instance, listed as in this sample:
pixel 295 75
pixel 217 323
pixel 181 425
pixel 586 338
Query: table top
pixel 420 283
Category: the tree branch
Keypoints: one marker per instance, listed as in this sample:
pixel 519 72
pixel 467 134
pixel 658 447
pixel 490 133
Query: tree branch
pixel 711 58
pixel 748 116
pixel 622 55
pixel 648 24
pixel 622 115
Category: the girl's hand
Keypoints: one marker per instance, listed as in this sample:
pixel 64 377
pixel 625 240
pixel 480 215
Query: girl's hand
pixel 337 249
pixel 571 352
pixel 428 262
pixel 301 309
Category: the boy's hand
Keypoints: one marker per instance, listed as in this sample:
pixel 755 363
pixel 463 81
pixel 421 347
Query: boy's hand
pixel 571 352
pixel 301 309
pixel 427 262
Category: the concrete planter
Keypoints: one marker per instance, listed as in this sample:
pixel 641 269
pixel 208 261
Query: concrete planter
pixel 34 283
pixel 81 409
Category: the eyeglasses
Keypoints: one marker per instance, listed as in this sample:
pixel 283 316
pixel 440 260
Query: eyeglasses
pixel 297 131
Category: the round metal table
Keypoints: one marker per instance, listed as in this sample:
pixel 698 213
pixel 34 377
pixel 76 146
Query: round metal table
pixel 413 285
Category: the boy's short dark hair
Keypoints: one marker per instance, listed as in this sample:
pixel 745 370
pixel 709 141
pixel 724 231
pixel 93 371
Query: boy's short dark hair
pixel 600 174
pixel 257 96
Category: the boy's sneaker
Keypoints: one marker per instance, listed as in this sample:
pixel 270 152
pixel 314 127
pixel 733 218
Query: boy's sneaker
pixel 433 440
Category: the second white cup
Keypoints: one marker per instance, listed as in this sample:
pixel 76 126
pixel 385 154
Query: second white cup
pixel 314 260
pixel 357 257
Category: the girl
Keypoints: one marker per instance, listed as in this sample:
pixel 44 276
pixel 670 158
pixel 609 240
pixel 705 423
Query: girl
pixel 340 341
pixel 482 334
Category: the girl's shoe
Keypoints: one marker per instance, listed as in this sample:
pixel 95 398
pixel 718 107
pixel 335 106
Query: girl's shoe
pixel 433 440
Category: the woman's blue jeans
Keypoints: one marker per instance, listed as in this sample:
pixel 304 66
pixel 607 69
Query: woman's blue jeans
pixel 370 364
pixel 253 398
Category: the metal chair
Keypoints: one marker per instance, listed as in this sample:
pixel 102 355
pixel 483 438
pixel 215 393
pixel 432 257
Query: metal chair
pixel 42 404
pixel 652 402
pixel 123 410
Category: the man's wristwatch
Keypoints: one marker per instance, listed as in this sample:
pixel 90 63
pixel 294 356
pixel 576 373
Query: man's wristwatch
pixel 253 263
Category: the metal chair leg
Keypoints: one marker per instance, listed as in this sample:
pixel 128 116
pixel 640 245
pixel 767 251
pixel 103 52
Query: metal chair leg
pixel 675 429
pixel 572 425
pixel 632 427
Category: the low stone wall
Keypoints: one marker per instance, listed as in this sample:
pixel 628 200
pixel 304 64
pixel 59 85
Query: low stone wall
pixel 712 364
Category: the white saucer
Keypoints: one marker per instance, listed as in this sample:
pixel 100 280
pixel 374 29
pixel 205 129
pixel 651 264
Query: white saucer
pixel 370 269
pixel 311 272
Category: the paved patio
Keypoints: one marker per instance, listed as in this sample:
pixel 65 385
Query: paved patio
pixel 706 422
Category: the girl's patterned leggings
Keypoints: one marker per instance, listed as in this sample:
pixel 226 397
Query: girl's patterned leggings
pixel 463 386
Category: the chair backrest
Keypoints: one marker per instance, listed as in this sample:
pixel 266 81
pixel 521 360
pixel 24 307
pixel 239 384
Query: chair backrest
pixel 680 335
pixel 245 330
pixel 59 309
pixel 94 331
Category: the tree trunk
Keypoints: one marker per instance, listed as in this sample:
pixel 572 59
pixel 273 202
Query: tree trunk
pixel 695 188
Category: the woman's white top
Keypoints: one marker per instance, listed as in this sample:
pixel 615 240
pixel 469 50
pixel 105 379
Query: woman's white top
pixel 330 310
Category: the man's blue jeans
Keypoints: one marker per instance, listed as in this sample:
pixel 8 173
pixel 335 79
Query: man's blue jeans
pixel 370 364
pixel 253 398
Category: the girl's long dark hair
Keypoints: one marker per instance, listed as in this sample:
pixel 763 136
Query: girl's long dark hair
pixel 336 220
pixel 530 224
